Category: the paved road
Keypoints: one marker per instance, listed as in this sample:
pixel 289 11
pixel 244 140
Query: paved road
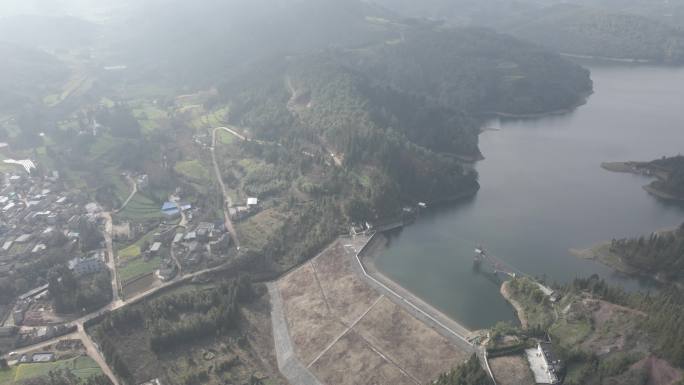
pixel 111 258
pixel 227 202
pixel 288 364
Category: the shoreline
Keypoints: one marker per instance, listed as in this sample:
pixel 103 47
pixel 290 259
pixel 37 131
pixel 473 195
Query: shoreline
pixel 661 194
pixel 601 253
pixel 627 60
pixel 560 111
pixel 519 310
pixel 643 169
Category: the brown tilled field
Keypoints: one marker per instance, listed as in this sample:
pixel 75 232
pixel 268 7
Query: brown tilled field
pixel 348 333
pixel 512 370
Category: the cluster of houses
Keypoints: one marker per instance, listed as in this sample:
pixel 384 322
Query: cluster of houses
pixel 39 218
pixel 37 215
pixel 25 207
pixel 200 242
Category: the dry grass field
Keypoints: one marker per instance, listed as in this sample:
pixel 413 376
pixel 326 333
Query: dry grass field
pixel 348 333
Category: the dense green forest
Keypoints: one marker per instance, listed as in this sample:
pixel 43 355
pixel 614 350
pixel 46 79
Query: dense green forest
pixel 469 373
pixel 660 254
pixel 74 295
pixel 173 320
pixel 673 181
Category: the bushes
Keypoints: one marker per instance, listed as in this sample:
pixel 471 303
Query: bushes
pixel 507 350
pixel 177 319
pixel 470 373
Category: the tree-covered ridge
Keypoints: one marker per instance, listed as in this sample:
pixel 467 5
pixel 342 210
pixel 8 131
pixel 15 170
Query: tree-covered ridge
pixel 477 71
pixel 672 170
pixel 410 108
pixel 469 373
pixel 595 32
pixel 660 254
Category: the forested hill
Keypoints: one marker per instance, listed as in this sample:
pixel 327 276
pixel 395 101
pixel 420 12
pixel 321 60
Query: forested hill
pixel 660 254
pixel 588 31
pixel 406 106
pixel 477 70
pixel 672 171
pixel 26 74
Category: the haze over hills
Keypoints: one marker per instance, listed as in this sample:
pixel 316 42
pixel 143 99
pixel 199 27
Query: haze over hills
pixel 25 74
pixel 595 32
pixel 48 32
pixel 642 30
pixel 195 192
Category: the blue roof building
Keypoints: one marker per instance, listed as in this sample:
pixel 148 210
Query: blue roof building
pixel 170 209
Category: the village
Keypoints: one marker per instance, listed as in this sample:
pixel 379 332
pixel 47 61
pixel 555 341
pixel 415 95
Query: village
pixel 44 224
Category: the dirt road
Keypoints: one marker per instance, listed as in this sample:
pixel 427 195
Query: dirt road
pixel 95 354
pixel 134 190
pixel 227 202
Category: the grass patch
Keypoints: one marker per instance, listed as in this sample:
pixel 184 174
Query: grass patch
pixel 193 169
pixel 7 376
pixel 135 249
pixel 136 267
pixel 225 137
pixel 255 231
pixel 571 333
pixel 104 144
pixel 149 116
pixel 82 367
pixel 131 251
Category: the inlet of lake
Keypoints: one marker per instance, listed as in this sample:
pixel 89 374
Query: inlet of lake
pixel 543 192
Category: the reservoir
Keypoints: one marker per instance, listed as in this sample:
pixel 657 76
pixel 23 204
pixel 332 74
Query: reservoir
pixel 544 192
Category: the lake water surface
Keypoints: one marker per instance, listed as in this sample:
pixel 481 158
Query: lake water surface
pixel 543 192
